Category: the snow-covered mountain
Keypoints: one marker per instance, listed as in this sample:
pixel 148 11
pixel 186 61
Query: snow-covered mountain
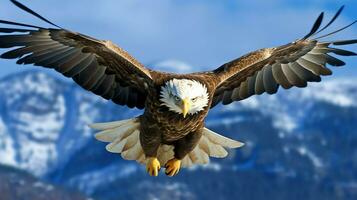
pixel 44 121
pixel 300 138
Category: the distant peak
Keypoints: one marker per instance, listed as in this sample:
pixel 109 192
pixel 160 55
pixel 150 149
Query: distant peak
pixel 41 74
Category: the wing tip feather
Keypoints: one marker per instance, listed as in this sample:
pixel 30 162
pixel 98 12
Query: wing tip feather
pixel 28 10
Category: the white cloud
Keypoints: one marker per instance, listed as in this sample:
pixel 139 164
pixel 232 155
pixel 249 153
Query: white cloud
pixel 173 66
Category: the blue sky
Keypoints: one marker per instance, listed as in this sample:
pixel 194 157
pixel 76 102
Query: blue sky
pixel 202 33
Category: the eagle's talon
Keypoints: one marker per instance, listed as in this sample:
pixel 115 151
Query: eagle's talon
pixel 153 166
pixel 172 167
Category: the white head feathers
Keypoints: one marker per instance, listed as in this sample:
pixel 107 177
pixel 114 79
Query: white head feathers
pixel 184 95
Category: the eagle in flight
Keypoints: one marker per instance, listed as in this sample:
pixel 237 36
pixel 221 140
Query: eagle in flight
pixel 171 131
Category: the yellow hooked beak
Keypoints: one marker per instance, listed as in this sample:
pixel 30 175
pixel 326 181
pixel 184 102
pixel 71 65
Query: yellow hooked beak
pixel 185 106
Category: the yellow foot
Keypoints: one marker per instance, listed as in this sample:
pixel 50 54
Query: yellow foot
pixel 172 167
pixel 153 166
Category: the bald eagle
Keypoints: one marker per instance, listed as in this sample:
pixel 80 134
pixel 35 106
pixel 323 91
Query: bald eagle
pixel 171 131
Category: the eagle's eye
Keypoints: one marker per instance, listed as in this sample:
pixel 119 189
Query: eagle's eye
pixel 194 99
pixel 177 98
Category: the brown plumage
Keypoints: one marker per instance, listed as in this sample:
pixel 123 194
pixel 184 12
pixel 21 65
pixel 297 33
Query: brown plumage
pixel 161 135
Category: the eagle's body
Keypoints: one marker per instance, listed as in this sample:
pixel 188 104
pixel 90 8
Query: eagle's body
pixel 163 126
pixel 171 129
pixel 156 113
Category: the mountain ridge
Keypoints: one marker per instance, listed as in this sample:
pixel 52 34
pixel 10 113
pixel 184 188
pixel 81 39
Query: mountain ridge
pixel 305 136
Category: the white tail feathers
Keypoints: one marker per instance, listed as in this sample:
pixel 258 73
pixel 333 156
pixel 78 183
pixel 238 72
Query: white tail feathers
pixel 124 138
pixel 211 144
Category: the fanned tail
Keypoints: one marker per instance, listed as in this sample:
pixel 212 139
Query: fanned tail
pixel 211 144
pixel 124 138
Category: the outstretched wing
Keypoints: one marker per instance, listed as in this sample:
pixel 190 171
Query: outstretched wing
pixel 96 65
pixel 289 65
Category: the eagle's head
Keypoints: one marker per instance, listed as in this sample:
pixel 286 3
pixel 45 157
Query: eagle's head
pixel 184 96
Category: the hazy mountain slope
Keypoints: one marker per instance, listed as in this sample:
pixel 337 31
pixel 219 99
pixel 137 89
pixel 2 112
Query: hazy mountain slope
pixel 16 184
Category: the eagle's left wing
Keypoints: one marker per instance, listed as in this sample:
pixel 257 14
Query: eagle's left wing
pixel 289 65
pixel 96 65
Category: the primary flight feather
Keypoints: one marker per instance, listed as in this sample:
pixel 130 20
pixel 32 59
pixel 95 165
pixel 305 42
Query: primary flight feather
pixel 171 130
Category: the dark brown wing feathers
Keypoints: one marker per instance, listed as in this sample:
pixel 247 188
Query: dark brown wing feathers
pixel 96 65
pixel 294 64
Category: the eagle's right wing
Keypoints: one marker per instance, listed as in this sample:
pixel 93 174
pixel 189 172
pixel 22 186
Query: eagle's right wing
pixel 96 65
pixel 289 65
